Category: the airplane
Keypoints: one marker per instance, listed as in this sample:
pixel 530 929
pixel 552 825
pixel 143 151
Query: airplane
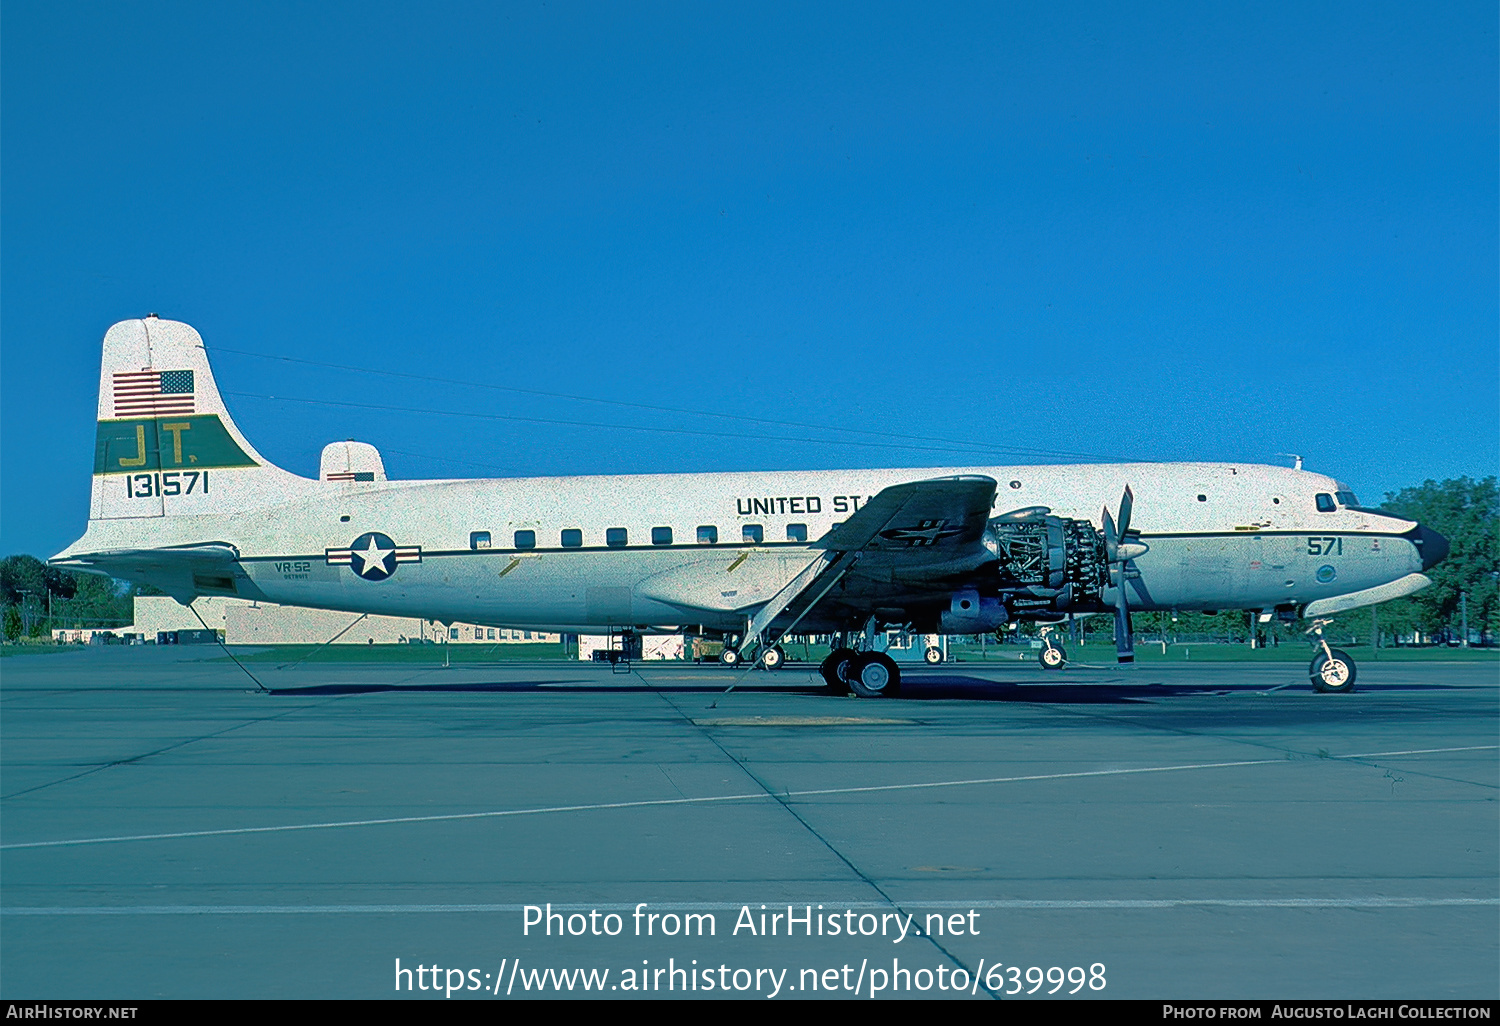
pixel 182 501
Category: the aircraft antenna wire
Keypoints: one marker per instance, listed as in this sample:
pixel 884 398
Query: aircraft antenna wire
pixel 978 446
pixel 643 427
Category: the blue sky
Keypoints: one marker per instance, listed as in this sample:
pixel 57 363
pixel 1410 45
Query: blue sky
pixel 1165 232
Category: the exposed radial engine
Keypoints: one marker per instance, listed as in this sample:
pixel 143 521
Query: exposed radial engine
pixel 1047 564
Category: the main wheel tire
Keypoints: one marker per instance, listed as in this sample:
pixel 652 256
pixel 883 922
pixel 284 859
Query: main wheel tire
pixel 874 675
pixel 933 655
pixel 773 658
pixel 730 656
pixel 834 669
pixel 1052 657
pixel 1334 676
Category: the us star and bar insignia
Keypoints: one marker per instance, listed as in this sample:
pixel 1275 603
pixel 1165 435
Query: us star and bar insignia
pixel 374 556
pixel 925 532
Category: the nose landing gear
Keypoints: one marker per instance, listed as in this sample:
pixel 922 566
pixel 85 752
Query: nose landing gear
pixel 1331 671
pixel 1052 657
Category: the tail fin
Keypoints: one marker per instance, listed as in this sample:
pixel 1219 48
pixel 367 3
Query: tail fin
pixel 166 445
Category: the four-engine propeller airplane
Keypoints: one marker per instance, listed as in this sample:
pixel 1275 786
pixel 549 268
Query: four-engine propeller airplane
pixel 182 501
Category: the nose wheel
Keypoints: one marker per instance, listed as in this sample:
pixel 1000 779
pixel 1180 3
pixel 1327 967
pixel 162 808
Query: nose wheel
pixel 1052 657
pixel 1332 672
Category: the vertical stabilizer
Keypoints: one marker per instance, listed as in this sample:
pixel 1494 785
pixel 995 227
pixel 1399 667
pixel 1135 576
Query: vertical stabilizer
pixel 166 445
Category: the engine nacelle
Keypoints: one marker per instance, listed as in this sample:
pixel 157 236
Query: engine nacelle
pixel 970 613
pixel 1046 562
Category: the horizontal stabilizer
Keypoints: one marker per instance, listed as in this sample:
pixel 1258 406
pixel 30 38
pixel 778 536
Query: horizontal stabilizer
pixel 183 571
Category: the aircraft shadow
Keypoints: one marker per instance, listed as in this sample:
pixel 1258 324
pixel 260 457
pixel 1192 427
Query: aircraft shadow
pixel 555 686
pixel 959 686
pixel 922 688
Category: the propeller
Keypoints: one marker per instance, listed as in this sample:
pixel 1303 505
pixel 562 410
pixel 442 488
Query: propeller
pixel 1120 549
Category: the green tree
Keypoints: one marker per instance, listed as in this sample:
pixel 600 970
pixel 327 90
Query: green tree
pixel 12 623
pixel 1467 513
pixel 28 587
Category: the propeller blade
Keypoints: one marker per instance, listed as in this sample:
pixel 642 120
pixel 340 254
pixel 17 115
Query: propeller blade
pixel 1124 636
pixel 1118 550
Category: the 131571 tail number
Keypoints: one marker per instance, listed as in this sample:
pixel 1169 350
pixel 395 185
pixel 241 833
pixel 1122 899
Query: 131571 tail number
pixel 172 482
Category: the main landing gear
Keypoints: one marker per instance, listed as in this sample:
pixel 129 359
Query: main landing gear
pixel 1331 671
pixel 867 674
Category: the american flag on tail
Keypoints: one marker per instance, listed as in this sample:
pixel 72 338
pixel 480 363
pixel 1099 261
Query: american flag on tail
pixel 153 393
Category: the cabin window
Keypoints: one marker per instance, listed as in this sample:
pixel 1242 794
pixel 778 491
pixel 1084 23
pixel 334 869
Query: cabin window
pixel 525 539
pixel 452 633
pixel 708 535
pixel 1325 503
pixel 478 633
pixel 479 539
pixel 616 538
pixel 528 635
pixel 491 634
pixel 1346 498
pixel 753 534
pixel 572 538
pixel 661 536
pixel 1203 498
pixel 796 532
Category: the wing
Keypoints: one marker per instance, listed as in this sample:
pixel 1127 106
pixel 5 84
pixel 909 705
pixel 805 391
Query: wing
pixel 922 531
pixel 936 518
pixel 183 571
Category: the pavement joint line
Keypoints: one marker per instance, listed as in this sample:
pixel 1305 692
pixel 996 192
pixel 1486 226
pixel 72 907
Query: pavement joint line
pixel 1418 751
pixel 147 755
pixel 1016 904
pixel 1289 753
pixel 707 799
pixel 785 803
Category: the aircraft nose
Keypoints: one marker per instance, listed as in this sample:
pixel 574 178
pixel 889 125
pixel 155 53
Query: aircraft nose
pixel 1432 546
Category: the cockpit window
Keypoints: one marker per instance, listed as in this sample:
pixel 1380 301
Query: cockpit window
pixel 1346 498
pixel 1325 503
